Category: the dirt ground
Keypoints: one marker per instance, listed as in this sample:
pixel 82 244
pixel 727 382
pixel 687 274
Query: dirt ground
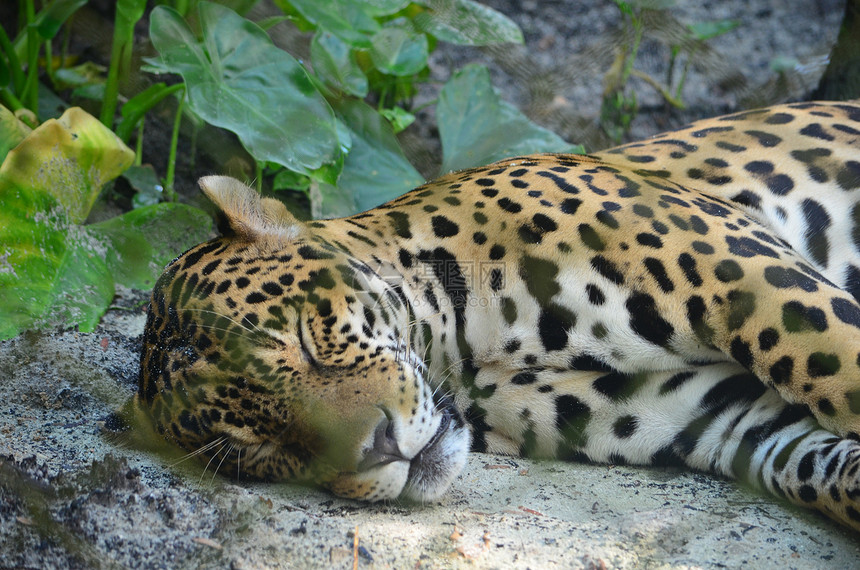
pixel 71 497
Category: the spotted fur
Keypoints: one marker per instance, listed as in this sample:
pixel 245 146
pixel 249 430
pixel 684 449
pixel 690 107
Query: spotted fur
pixel 688 300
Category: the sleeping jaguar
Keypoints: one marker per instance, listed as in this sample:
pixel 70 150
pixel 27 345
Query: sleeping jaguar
pixel 688 300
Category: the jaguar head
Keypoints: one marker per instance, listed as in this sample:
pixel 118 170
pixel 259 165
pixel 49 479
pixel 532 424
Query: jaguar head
pixel 273 354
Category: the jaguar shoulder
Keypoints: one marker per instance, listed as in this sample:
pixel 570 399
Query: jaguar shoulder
pixel 690 300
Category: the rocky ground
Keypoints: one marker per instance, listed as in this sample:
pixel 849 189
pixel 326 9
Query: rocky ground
pixel 71 497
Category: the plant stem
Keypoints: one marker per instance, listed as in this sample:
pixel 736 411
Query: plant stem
pixel 49 63
pixel 131 117
pixel 634 49
pixel 673 57
pixel 193 147
pixel 138 145
pixel 112 83
pixel 18 79
pixel 258 175
pixel 30 93
pixel 67 37
pixel 170 192
pixel 677 103
pixel 682 80
pixel 9 100
pixel 128 12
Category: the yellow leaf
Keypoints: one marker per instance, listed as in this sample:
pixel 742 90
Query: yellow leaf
pixel 69 158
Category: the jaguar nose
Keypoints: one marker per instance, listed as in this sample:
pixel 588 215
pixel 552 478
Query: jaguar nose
pixel 384 449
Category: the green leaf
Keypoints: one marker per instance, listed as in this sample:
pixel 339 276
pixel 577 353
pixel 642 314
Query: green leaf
pixel 374 171
pixel 397 51
pixel 50 106
pixel 147 186
pixel 335 64
pixel 53 271
pixel 12 131
pixel 477 127
pixel 624 7
pixel 154 65
pixel 128 12
pixel 328 173
pixel 5 72
pixel 353 22
pixel 64 161
pixel 398 117
pixel 707 30
pixel 136 107
pixel 144 240
pixel 289 180
pixel 92 92
pixel 51 18
pixel 72 286
pixel 465 22
pixel 237 79
pixel 87 73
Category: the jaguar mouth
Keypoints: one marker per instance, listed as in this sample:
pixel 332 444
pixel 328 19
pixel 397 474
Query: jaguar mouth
pixel 421 458
pixel 435 467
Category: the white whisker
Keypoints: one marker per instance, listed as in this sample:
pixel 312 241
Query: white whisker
pixel 212 458
pixel 230 449
pixel 206 447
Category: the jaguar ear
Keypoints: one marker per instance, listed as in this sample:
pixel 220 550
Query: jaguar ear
pixel 251 217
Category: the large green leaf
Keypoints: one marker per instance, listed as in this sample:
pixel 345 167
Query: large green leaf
pixel 51 18
pixel 237 79
pixel 478 127
pixel 374 171
pixel 54 271
pixel 51 270
pixel 48 22
pixel 335 64
pixel 65 160
pixel 76 292
pixel 399 51
pixel 466 23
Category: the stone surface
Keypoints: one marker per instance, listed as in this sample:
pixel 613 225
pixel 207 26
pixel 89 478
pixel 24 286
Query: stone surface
pixel 71 497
